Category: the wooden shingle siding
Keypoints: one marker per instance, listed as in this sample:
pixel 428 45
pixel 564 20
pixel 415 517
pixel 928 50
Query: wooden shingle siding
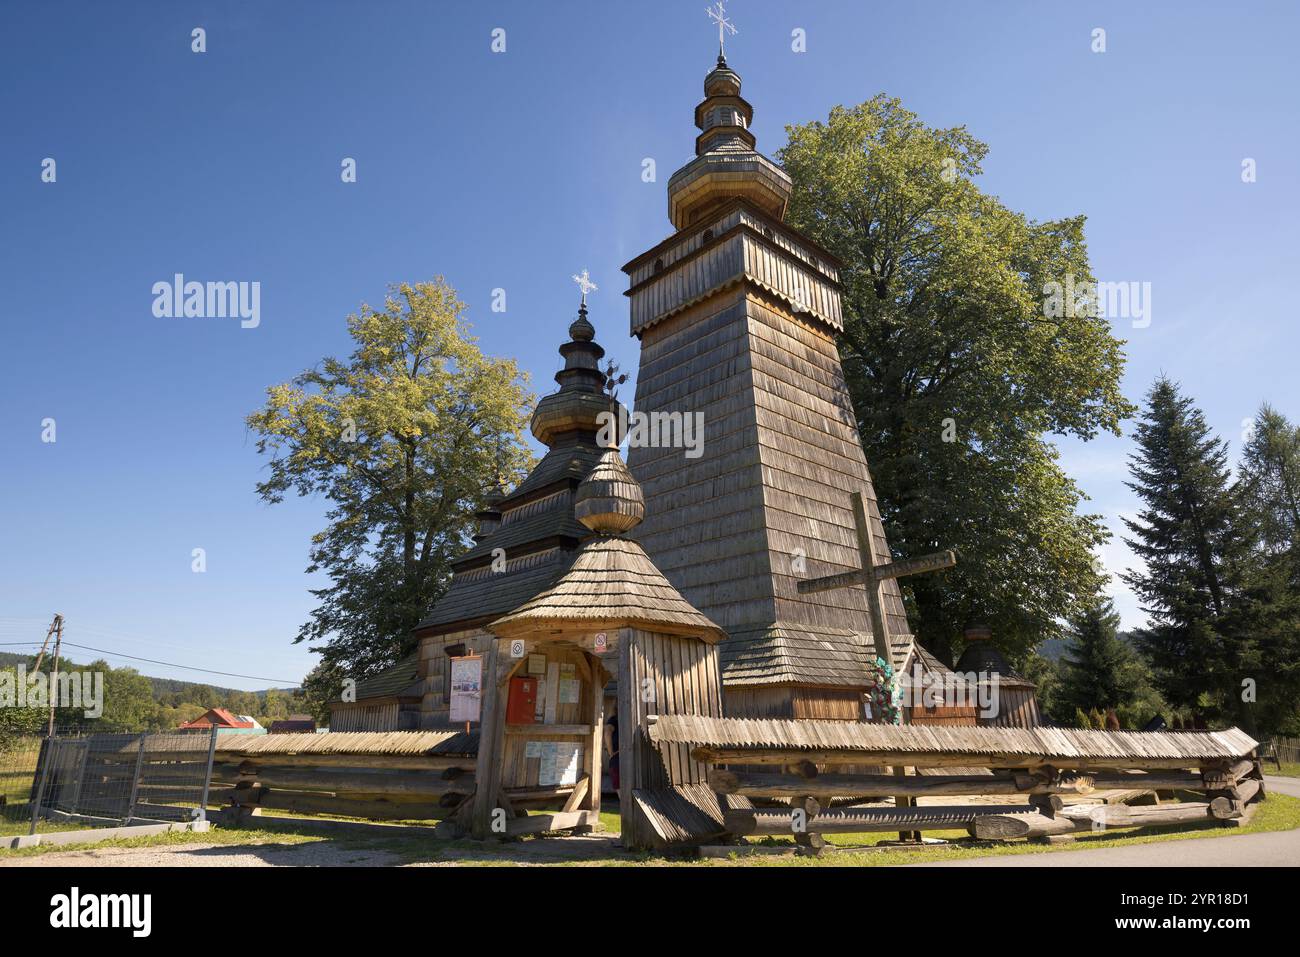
pixel 661 674
pixel 773 262
pixel 780 454
pixel 364 717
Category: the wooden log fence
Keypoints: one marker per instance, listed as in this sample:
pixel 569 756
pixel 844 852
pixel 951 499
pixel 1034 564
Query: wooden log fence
pixel 807 780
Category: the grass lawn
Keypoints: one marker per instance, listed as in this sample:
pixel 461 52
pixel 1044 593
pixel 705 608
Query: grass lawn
pixel 1279 812
pixel 1288 770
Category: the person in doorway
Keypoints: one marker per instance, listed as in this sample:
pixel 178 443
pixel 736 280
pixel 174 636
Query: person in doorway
pixel 611 748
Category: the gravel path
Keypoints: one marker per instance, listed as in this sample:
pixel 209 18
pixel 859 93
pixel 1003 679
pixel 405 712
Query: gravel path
pixel 313 854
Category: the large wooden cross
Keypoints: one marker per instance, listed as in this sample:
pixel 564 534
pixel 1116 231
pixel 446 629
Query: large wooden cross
pixel 875 571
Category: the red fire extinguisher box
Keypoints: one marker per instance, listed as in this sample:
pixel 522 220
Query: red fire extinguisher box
pixel 522 704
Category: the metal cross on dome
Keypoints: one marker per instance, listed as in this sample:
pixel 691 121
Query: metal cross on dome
pixel 718 14
pixel 585 284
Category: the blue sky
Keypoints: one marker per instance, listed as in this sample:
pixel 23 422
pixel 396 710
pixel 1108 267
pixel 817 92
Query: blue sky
pixel 515 170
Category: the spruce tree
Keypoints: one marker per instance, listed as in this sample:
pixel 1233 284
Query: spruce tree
pixel 1268 480
pixel 1268 494
pixel 1097 670
pixel 1193 543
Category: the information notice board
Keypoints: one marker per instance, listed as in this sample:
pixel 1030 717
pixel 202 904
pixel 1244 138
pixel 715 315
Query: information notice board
pixel 466 688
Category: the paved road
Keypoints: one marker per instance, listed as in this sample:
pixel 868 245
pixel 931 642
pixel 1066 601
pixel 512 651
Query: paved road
pixel 1274 849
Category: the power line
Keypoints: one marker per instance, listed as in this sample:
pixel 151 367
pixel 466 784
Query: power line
pixel 154 661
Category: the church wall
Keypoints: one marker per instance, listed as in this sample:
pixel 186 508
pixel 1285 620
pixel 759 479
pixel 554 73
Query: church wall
pixel 812 459
pixel 785 701
pixel 703 524
pixel 780 456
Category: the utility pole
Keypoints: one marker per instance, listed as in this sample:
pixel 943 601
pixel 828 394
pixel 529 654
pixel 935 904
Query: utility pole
pixel 54 675
pixel 55 625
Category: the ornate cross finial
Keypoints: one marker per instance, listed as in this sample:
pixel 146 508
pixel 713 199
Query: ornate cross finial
pixel 585 284
pixel 718 14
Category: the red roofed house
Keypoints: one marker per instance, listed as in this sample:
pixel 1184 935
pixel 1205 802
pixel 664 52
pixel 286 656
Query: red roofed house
pixel 223 720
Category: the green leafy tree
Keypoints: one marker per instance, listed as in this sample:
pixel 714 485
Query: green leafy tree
pixel 17 722
pixel 319 688
pixel 1193 540
pixel 959 367
pixel 128 700
pixel 403 439
pixel 1046 676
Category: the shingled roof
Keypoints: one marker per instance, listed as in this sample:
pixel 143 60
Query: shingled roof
pixel 611 582
pixel 536 530
pixel 785 654
pixel 397 681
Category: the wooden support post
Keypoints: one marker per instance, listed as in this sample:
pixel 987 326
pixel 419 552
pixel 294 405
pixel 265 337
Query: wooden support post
pixel 903 801
pixel 596 740
pixel 492 731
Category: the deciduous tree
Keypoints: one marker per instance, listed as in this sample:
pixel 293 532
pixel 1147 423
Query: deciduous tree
pixel 403 439
pixel 957 371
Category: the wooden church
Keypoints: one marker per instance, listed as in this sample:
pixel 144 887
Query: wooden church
pixel 750 578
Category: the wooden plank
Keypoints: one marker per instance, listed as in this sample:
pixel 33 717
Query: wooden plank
pixel 559 821
pixel 549 730
pixel 923 759
pixel 758 784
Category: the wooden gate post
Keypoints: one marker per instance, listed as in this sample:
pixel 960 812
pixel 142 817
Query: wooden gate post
pixel 491 738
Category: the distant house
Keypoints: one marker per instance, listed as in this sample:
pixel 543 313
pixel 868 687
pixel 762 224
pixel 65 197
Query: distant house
pixel 387 701
pixel 225 722
pixel 294 724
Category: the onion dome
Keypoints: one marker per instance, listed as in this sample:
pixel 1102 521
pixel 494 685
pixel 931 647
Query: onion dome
pixel 726 163
pixel 577 406
pixel 982 657
pixel 489 516
pixel 609 499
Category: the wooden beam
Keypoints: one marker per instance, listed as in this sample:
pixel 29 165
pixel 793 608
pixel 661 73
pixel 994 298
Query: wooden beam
pixel 862 576
pixel 559 821
pixel 492 727
pixel 751 821
pixel 430 785
pixel 576 796
pixel 388 762
pixel 922 759
pixel 304 802
pixel 549 730
pixel 1086 818
pixel 875 588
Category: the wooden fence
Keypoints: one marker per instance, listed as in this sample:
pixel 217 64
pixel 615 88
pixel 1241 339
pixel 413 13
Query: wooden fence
pixel 401 775
pixel 791 774
pixel 1286 750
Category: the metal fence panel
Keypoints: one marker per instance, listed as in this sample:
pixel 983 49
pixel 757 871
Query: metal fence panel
pixel 104 780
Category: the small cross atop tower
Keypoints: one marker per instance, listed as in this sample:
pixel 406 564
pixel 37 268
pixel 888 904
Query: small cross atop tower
pixel 718 14
pixel 585 284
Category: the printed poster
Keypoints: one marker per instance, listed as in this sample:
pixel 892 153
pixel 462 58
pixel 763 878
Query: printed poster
pixel 466 688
